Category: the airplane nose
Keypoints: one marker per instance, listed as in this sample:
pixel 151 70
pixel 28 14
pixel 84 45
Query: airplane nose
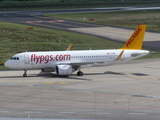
pixel 7 64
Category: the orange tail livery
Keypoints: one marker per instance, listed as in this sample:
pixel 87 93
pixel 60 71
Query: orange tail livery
pixel 136 39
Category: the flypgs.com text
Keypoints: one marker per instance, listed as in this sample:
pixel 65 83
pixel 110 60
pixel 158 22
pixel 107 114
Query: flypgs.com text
pixel 47 58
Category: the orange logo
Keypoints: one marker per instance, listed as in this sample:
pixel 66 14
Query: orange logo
pixel 132 38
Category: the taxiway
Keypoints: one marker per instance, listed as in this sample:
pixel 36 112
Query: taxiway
pixel 118 92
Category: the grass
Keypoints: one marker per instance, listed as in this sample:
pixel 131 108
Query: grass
pixel 119 18
pixel 72 3
pixel 17 38
pixel 48 5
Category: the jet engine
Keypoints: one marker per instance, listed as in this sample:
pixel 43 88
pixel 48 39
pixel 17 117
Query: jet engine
pixel 64 69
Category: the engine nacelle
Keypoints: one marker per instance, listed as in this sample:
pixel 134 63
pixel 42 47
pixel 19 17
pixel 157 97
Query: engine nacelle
pixel 64 69
pixel 48 70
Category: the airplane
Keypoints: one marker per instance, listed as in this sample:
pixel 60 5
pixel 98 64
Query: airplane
pixel 69 61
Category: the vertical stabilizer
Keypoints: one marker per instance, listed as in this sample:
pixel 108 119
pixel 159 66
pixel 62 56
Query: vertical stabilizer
pixel 136 39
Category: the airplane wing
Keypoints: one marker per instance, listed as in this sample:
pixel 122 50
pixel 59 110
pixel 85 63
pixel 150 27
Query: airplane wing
pixel 89 64
pixel 1 63
pixel 69 47
pixel 75 63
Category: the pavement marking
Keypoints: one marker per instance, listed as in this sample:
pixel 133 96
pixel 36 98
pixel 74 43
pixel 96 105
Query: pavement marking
pixel 67 112
pixel 20 81
pixel 40 25
pixel 49 82
pixel 32 112
pixel 86 23
pixel 121 99
pixel 65 82
pixel 41 109
pixel 102 113
pixel 73 21
pixel 137 113
pixel 43 17
pixel 92 30
pixel 4 111
pixel 143 111
pixel 44 21
pixel 67 25
pixel 1 81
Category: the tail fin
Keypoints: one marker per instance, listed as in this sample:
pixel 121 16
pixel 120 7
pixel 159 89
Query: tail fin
pixel 136 39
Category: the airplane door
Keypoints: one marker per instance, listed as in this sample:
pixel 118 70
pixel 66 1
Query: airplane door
pixel 26 59
pixel 27 62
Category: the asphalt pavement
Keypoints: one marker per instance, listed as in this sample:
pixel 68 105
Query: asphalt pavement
pixel 121 92
pixel 117 34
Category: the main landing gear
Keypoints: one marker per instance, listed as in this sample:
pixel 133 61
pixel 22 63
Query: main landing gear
pixel 25 73
pixel 80 73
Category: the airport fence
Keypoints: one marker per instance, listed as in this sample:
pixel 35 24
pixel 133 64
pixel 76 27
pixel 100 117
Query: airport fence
pixel 50 3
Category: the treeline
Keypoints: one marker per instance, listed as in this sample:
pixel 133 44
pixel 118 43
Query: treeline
pixel 20 0
pixel 48 3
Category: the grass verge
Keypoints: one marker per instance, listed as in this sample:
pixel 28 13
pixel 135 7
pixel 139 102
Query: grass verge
pixel 118 18
pixel 17 38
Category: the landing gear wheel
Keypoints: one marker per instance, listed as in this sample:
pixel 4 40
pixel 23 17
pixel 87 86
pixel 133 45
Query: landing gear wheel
pixel 25 73
pixel 79 73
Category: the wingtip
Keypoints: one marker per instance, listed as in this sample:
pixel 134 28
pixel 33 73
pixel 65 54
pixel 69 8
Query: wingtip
pixel 69 47
pixel 1 63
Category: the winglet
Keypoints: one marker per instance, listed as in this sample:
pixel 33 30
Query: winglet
pixel 136 39
pixel 1 63
pixel 120 55
pixel 69 47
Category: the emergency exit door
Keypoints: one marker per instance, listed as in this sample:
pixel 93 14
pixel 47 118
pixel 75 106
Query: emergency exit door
pixel 26 59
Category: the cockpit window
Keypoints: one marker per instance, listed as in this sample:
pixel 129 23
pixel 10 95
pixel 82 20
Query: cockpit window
pixel 14 58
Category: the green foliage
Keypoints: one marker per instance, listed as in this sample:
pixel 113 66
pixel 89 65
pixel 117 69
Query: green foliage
pixel 49 3
pixel 119 18
pixel 17 38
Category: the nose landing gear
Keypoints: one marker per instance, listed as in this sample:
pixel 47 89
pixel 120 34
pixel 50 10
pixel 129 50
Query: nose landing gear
pixel 25 73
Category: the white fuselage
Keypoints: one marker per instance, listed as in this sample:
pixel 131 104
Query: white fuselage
pixel 84 58
pixel 66 62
